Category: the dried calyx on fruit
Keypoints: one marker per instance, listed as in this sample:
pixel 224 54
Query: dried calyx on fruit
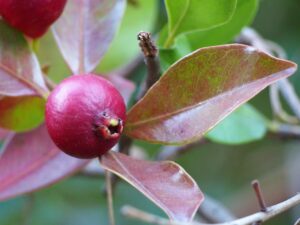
pixel 85 115
pixel 32 17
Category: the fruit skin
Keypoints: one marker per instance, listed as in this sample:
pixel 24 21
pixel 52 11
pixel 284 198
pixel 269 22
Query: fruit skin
pixel 81 111
pixel 32 17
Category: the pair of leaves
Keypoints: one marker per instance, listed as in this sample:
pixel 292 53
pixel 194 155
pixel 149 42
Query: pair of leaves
pixel 188 42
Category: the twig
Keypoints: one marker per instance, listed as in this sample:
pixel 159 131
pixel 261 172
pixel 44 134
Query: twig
pixel 277 109
pixel 212 211
pixel 297 222
pixel 251 37
pixel 150 52
pixel 259 195
pixel 288 92
pixel 50 84
pixel 272 211
pixel 109 197
pixel 284 129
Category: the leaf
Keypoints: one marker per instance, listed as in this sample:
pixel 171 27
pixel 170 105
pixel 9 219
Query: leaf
pixel 190 15
pixel 20 73
pixel 200 90
pixel 124 86
pixel 124 47
pixel 85 30
pixel 243 15
pixel 164 183
pixel 31 161
pixel 244 125
pixel 21 113
pixel 186 43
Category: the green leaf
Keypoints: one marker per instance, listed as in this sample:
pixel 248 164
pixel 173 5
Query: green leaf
pixel 200 90
pixel 184 44
pixel 244 125
pixel 189 15
pixel 124 47
pixel 21 113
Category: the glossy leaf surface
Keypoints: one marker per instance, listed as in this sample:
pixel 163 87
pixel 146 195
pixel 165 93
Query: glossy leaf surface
pixel 20 73
pixel 164 183
pixel 21 113
pixel 244 125
pixel 186 43
pixel 189 15
pixel 30 161
pixel 200 90
pixel 85 30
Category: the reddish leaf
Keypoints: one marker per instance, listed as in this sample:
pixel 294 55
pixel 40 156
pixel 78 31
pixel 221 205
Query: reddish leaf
pixel 124 86
pixel 200 90
pixel 164 183
pixel 20 73
pixel 85 30
pixel 31 161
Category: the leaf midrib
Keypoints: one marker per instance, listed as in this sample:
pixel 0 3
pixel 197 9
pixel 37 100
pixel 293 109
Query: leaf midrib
pixel 178 24
pixel 167 115
pixel 26 82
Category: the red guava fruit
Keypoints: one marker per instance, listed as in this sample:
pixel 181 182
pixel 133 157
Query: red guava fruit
pixel 32 17
pixel 85 115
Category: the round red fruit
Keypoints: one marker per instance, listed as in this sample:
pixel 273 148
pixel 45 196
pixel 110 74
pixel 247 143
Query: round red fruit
pixel 85 115
pixel 32 17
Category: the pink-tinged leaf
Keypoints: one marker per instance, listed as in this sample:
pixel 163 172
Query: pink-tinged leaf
pixel 200 90
pixel 20 73
pixel 164 183
pixel 124 86
pixel 31 161
pixel 85 30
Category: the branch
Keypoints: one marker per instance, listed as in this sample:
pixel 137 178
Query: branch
pixel 278 111
pixel 284 129
pixel 272 211
pixel 109 197
pixel 250 36
pixel 150 52
pixel 212 211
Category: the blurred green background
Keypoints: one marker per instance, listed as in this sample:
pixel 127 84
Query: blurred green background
pixel 223 172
